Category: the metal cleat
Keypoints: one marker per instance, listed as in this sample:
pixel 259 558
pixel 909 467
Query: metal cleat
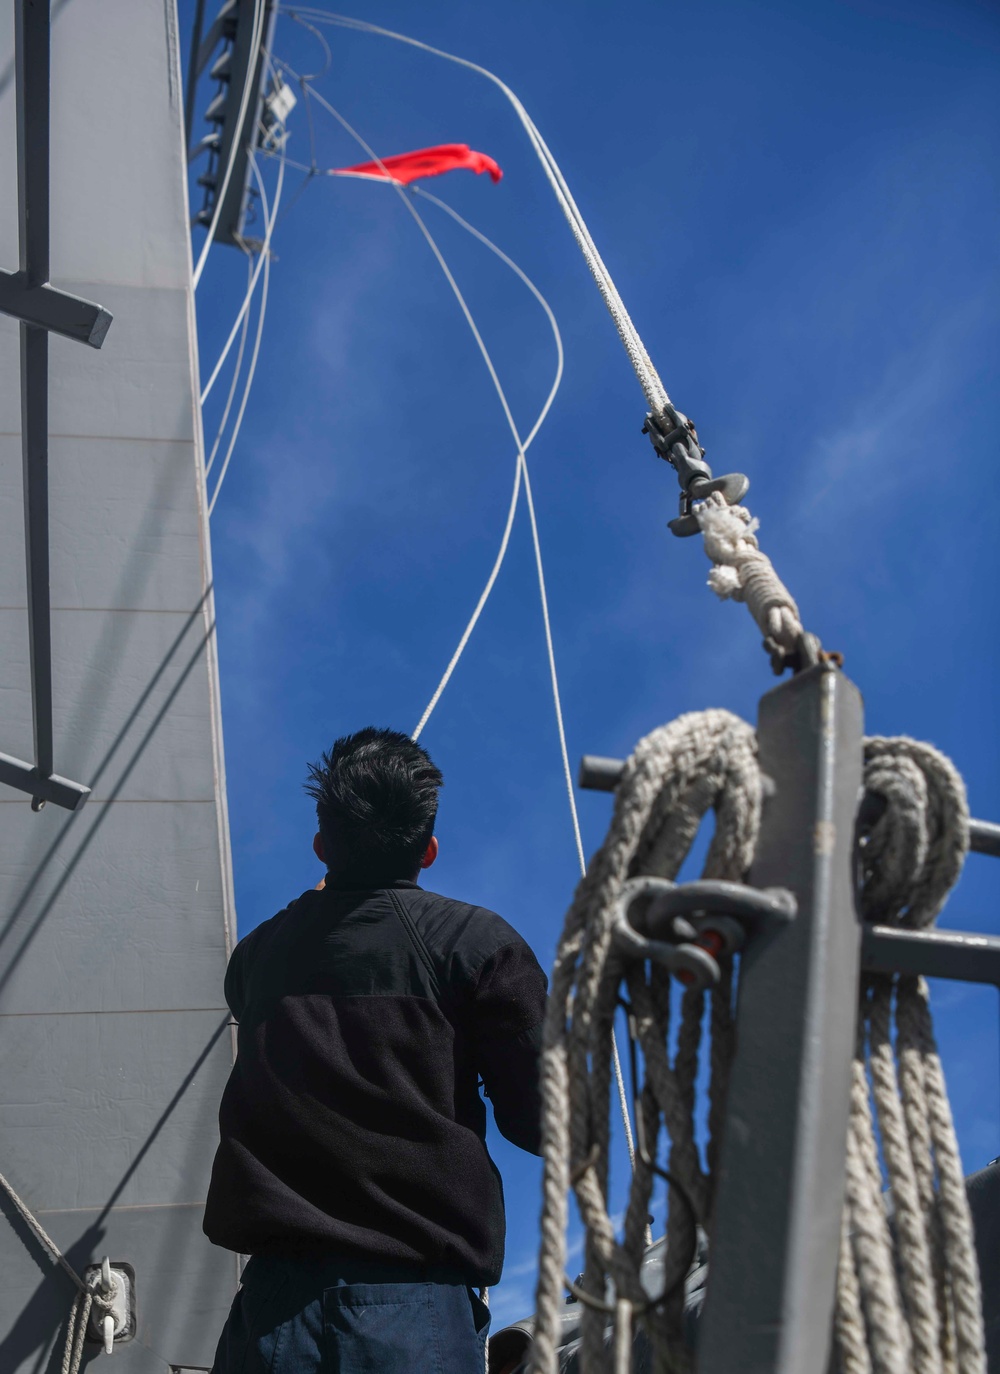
pixel 115 1283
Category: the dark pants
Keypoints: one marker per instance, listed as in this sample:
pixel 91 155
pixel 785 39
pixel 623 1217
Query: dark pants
pixel 350 1317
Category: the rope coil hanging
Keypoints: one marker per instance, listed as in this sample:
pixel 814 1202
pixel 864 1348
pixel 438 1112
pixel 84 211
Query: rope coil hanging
pixel 908 1298
pixel 702 761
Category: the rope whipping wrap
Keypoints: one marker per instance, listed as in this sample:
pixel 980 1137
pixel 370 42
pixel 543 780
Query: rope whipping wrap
pixel 701 761
pixel 87 1295
pixel 909 1302
pixel 741 572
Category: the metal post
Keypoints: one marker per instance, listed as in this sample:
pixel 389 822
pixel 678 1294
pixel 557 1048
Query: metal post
pixel 776 1230
pixel 35 463
pixel 32 58
pixel 41 309
pixel 193 73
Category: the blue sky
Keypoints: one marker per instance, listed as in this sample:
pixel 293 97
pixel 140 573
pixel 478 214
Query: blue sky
pixel 799 205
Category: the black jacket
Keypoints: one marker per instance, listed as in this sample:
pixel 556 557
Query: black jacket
pixel 352 1122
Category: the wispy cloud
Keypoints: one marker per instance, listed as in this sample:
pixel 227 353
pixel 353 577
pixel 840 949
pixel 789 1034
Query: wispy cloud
pixel 899 427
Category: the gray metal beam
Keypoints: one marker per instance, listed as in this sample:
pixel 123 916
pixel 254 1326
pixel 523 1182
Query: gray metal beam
pixel 32 25
pixel 194 71
pixel 32 34
pixel 35 469
pixel 27 778
pixel 776 1230
pixel 959 954
pixel 984 837
pixel 27 296
pixel 247 64
pixel 55 311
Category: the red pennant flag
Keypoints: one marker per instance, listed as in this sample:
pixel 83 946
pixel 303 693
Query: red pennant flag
pixel 428 162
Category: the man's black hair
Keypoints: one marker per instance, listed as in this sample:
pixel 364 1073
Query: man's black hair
pixel 376 800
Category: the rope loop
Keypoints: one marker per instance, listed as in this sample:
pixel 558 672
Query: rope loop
pixel 908 1299
pixel 703 761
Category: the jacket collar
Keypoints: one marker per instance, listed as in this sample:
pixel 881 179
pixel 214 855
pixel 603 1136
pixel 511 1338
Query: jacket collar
pixel 333 886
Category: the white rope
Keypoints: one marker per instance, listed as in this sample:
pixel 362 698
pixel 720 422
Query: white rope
pixel 909 1302
pixel 260 331
pixel 536 541
pixel 87 1295
pixel 237 368
pixel 653 388
pixel 703 760
pixel 257 32
pixel 741 572
pixel 269 222
pixel 522 461
pixel 540 420
pixel 744 578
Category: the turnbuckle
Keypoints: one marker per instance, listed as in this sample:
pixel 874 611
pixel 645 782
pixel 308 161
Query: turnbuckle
pixel 689 927
pixel 675 439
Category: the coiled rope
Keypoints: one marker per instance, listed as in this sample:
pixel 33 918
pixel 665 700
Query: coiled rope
pixel 87 1297
pixel 705 760
pixel 908 1298
pixel 908 1303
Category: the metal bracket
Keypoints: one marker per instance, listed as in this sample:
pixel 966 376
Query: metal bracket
pixel 960 954
pixel 26 777
pixel 57 312
pixel 687 927
pixel 675 439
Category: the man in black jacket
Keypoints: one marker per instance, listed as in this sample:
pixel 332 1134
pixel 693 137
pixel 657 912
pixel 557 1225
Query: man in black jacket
pixel 353 1166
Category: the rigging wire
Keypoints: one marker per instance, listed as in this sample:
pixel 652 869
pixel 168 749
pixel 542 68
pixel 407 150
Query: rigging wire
pixel 321 39
pixel 236 373
pixel 642 364
pixel 502 396
pixel 560 359
pixel 262 257
pixel 269 219
pixel 257 39
pixel 536 541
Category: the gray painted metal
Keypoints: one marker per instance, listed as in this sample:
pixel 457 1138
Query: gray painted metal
pixel 193 70
pixel 115 920
pixel 960 954
pixel 600 774
pixel 27 296
pixel 57 312
pixel 984 837
pixel 776 1233
pixel 233 141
